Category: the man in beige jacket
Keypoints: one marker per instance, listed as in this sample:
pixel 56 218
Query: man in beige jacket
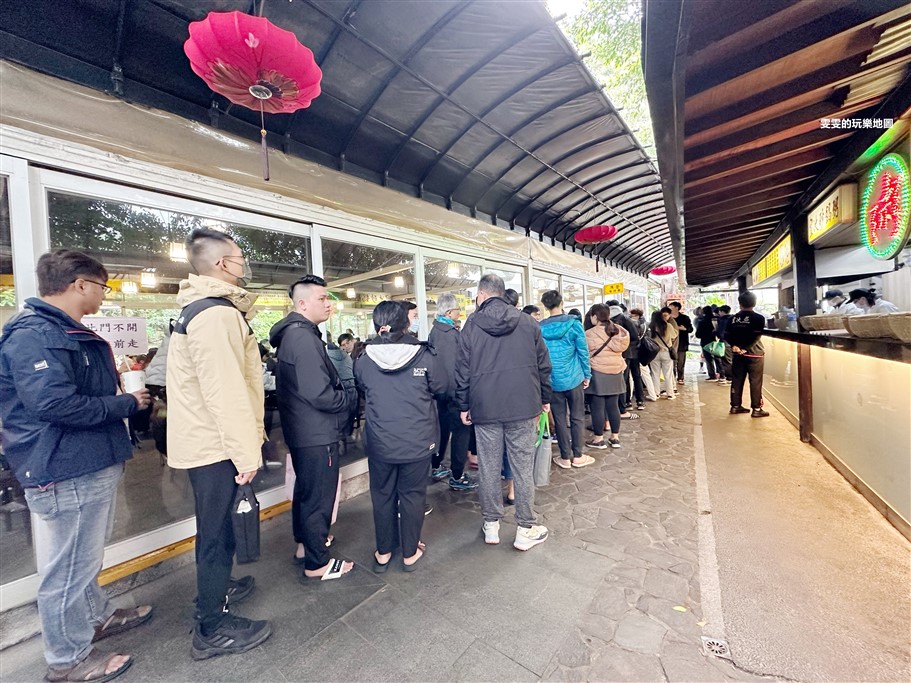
pixel 215 428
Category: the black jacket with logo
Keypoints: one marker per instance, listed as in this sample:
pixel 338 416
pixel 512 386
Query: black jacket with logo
pixel 503 371
pixel 401 379
pixel 628 324
pixel 312 401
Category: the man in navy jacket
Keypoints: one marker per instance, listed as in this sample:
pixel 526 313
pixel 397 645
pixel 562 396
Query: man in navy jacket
pixel 66 441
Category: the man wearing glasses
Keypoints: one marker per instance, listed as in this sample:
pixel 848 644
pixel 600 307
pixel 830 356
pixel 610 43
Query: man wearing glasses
pixel 215 428
pixel 64 435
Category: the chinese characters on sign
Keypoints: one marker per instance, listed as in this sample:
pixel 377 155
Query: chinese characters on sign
pixel 839 208
pixel 886 206
pixel 614 288
pixel 855 123
pixel 774 262
pixel 127 336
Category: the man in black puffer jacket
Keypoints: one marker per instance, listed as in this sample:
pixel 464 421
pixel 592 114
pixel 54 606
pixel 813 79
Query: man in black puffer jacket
pixel 502 385
pixel 313 406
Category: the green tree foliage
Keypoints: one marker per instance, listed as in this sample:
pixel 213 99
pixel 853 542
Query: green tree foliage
pixel 611 31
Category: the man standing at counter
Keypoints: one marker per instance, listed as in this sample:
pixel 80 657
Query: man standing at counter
pixel 744 333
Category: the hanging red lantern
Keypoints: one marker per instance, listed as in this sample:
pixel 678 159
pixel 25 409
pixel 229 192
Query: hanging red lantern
pixel 661 271
pixel 595 234
pixel 255 64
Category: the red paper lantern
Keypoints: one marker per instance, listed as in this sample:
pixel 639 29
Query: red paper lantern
pixel 661 271
pixel 595 234
pixel 255 64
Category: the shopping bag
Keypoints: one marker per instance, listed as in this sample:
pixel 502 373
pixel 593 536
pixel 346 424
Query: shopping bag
pixel 245 519
pixel 543 453
pixel 715 348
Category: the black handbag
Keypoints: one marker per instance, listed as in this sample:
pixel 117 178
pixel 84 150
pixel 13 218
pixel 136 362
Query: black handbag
pixel 245 520
pixel 671 351
pixel 648 350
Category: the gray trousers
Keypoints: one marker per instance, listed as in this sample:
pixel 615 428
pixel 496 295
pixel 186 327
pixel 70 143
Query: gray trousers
pixel 518 439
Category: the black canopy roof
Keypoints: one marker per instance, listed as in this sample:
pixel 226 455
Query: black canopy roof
pixel 482 107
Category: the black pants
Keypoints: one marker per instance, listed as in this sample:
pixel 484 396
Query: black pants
pixel 712 364
pixel 452 429
pixel 398 489
pixel 680 363
pixel 569 427
pixel 741 367
pixel 633 378
pixel 727 362
pixel 315 486
pixel 609 405
pixel 213 491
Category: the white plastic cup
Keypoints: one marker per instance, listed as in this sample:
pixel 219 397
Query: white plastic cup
pixel 134 380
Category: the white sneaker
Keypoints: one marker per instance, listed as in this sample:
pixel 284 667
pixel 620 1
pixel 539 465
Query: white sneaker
pixel 526 539
pixel 491 533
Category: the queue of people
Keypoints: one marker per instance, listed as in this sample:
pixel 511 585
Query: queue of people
pixel 480 386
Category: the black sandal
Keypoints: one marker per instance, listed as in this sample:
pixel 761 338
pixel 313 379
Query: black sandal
pixel 380 567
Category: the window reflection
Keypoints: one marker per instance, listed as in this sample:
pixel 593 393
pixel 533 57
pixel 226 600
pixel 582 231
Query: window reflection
pixel 17 556
pixel 443 276
pixel 573 296
pixel 593 296
pixel 142 249
pixel 543 283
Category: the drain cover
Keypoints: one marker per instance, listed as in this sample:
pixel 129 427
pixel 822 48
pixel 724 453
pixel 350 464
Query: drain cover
pixel 715 647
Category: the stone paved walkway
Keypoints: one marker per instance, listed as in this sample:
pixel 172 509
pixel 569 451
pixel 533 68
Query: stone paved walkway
pixel 613 595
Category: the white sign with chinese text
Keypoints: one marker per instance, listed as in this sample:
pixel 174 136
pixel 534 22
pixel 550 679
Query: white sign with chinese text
pixel 127 336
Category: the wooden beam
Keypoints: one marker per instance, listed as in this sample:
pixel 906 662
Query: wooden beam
pixel 744 157
pixel 851 46
pixel 695 209
pixel 760 178
pixel 771 206
pixel 758 33
pixel 763 216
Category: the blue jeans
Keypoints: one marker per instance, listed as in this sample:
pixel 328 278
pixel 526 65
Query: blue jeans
pixel 78 515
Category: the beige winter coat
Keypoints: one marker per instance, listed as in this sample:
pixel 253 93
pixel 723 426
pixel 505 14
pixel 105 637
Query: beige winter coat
pixel 610 360
pixel 215 382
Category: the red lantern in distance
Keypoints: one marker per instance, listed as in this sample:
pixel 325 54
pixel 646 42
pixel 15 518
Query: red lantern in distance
pixel 661 271
pixel 595 234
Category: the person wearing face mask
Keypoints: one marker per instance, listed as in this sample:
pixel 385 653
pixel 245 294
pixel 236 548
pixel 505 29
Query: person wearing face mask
pixel 313 403
pixel 838 304
pixel 867 301
pixel 414 325
pixel 215 428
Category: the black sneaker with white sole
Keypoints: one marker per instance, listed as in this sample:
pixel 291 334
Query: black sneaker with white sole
pixel 233 636
pixel 759 412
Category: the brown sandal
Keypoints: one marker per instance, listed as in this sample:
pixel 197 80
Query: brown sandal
pixel 92 668
pixel 122 620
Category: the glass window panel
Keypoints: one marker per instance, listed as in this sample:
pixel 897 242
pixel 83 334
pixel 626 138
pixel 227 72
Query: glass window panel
pixel 513 280
pixel 573 296
pixel 452 277
pixel 141 247
pixel 593 296
pixel 17 558
pixel 542 284
pixel 360 277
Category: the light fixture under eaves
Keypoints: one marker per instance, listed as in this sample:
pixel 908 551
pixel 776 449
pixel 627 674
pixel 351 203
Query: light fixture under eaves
pixel 399 282
pixel 129 287
pixel 453 270
pixel 148 279
pixel 177 251
pixel 350 293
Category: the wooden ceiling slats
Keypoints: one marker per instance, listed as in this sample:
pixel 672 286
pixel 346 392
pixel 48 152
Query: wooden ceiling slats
pixel 848 46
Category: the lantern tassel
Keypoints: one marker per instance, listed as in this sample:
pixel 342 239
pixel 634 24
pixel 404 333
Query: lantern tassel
pixel 264 146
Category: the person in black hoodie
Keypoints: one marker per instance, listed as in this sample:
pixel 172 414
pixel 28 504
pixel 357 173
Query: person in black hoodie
pixel 401 379
pixel 444 338
pixel 685 328
pixel 313 406
pixel 744 334
pixel 502 385
pixel 633 373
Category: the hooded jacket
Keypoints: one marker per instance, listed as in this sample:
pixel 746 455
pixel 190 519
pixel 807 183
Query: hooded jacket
pixel 215 382
pixel 62 417
pixel 503 371
pixel 632 329
pixel 312 400
pixel 610 359
pixel 444 338
pixel 565 342
pixel 401 379
pixel 156 373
